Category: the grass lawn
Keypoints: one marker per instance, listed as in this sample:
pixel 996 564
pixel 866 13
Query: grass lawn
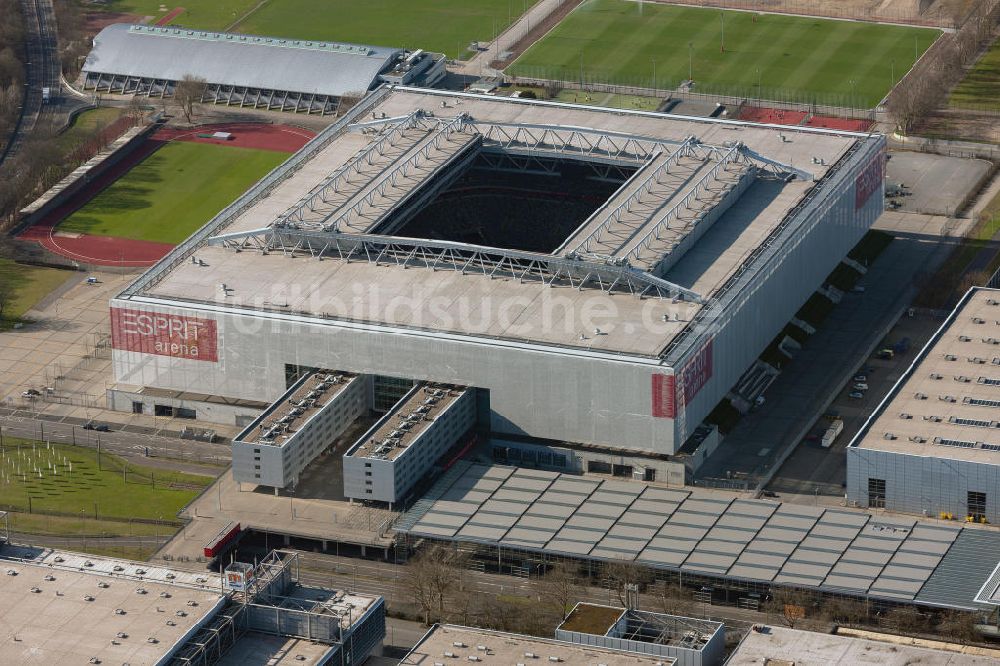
pixel 446 26
pixel 784 57
pixel 174 191
pixel 68 479
pixel 85 124
pixel 28 285
pixel 201 14
pixel 980 89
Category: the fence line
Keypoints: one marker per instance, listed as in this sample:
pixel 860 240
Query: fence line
pixel 813 8
pixel 734 98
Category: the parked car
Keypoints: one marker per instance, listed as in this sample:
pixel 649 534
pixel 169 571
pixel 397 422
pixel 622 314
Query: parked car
pixel 860 386
pixel 860 378
pixel 31 393
pixel 99 427
pixel 858 289
pixel 856 395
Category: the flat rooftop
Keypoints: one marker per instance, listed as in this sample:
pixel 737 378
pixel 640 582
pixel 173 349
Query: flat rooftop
pixel 406 421
pixel 505 649
pixel 781 646
pixel 289 413
pixel 350 606
pixel 345 181
pixel 701 532
pixel 258 649
pixel 54 614
pixel 154 392
pixel 947 404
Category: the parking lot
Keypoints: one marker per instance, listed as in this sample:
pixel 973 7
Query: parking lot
pixel 812 470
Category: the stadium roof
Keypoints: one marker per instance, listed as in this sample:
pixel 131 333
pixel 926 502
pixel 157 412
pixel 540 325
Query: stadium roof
pixel 714 534
pixel 387 151
pixel 947 403
pixel 269 63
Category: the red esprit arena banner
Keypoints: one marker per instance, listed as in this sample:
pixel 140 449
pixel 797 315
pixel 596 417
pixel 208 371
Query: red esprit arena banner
pixel 694 376
pixel 171 335
pixel 869 180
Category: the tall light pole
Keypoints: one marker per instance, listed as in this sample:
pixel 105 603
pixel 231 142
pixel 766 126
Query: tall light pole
pixel 654 73
pixel 690 62
pixel 722 17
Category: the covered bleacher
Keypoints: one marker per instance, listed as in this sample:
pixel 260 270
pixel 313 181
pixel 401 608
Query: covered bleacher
pixel 239 70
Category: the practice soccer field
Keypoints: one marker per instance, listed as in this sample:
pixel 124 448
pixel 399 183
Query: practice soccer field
pixel 445 26
pixel 173 192
pixel 199 14
pixel 766 56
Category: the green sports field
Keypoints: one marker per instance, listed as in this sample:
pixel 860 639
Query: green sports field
pixel 980 89
pixel 22 287
pixel 446 26
pixel 766 55
pixel 174 191
pixel 200 14
pixel 66 479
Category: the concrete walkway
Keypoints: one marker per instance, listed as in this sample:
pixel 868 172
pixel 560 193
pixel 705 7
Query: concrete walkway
pixel 479 65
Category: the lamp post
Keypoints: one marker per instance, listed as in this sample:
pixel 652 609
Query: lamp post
pixel 690 62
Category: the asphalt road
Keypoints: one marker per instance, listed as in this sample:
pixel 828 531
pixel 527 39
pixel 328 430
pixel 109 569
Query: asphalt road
pixel 168 452
pixel 42 69
pixel 825 364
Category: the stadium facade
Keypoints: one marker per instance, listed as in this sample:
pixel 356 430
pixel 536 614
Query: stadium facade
pixel 600 277
pixel 248 70
pixel 932 446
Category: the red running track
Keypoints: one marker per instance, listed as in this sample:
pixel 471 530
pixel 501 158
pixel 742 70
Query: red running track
pixel 170 16
pixel 763 114
pixel 106 251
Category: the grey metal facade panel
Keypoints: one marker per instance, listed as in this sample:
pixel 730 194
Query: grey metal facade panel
pixel 236 60
pixel 597 400
pixel 764 299
pixel 922 484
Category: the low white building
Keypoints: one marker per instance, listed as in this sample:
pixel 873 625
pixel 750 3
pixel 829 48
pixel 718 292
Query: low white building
pixel 396 452
pixel 275 448
pixel 933 446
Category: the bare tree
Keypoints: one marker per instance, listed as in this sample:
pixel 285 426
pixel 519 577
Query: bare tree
pixel 188 92
pixel 432 576
pixel 621 575
pixel 788 605
pixel 560 588
pixel 904 620
pixel 845 611
pixel 674 599
pixel 959 627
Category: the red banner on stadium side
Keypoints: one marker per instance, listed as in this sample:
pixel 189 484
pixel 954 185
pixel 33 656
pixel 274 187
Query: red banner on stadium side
pixel 668 395
pixel 664 406
pixel 171 335
pixel 869 180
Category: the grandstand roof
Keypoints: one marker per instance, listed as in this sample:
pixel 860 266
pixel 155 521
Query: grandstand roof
pixel 270 63
pixel 946 404
pixel 396 142
pixel 708 533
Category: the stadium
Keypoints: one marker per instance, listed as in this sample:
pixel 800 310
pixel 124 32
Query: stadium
pixel 601 278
